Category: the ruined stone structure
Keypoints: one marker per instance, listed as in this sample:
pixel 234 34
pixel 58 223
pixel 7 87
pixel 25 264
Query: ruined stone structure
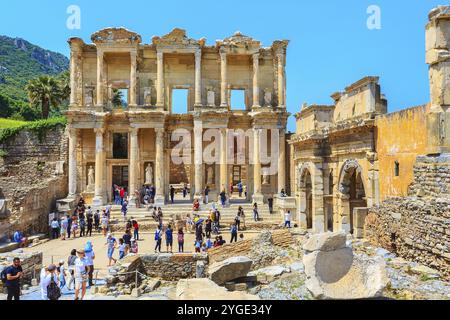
pixel 351 156
pixel 33 175
pixel 123 144
pixel 378 175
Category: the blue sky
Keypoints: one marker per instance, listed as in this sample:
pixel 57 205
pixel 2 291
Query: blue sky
pixel 330 47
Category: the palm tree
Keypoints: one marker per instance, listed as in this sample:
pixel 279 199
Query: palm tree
pixel 117 99
pixel 64 85
pixel 44 91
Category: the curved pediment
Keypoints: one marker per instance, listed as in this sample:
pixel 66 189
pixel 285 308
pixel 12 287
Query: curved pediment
pixel 116 35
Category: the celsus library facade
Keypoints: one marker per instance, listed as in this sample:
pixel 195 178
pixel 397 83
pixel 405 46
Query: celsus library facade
pixel 125 130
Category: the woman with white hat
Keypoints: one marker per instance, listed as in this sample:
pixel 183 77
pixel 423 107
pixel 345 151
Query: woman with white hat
pixel 81 274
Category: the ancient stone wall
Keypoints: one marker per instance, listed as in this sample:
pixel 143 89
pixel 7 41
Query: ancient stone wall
pixel 31 264
pixel 417 227
pixel 32 177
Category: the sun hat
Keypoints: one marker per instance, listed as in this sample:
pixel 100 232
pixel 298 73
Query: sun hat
pixel 81 251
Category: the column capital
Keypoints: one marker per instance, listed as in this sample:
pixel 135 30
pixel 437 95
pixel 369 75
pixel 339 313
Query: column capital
pixel 133 131
pixel 281 57
pixel 99 131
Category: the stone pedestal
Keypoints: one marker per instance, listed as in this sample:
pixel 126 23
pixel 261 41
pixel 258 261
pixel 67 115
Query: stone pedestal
pixel 283 204
pixel 258 198
pixel 359 218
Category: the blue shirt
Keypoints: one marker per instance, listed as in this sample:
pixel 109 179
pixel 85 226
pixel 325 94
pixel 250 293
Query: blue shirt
pixel 169 234
pixel 17 237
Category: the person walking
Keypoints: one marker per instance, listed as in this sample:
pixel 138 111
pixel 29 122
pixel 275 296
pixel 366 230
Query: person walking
pixel 135 229
pixel 234 233
pixel 172 194
pixel 124 210
pixel 74 226
pixel 71 267
pixel 208 227
pixel 82 227
pixel 49 284
pixel 64 225
pixel 158 236
pixel 240 189
pixel 169 239
pixel 97 220
pixel 61 270
pixel 81 274
pixel 90 223
pixel 287 219
pixel 112 244
pixel 206 192
pixel 121 194
pixel 185 191
pixel 180 240
pixel 55 228
pixel 237 221
pixel 13 274
pixel 105 224
pixel 90 256
pixel 255 212
pixel 270 203
pixel 122 249
pixel 223 198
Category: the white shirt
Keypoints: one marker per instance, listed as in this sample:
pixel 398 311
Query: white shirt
pixel 45 281
pixel 287 216
pixel 80 267
pixel 89 258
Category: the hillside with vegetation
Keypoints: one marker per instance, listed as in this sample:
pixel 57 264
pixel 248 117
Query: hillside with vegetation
pixel 20 63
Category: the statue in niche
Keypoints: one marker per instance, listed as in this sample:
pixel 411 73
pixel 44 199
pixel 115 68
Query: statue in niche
pixel 149 174
pixel 91 179
pixel 266 179
pixel 267 98
pixel 148 96
pixel 211 97
pixel 209 176
pixel 89 96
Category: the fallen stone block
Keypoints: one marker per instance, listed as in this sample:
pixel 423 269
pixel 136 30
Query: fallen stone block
pixel 230 269
pixel 326 242
pixel 205 289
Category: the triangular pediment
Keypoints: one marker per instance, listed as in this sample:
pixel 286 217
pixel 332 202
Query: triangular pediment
pixel 116 35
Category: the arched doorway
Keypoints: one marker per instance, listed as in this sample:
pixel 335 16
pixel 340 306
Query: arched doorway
pixel 306 198
pixel 352 193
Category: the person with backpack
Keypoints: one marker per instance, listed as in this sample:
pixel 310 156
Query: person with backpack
pixel 180 240
pixel 234 233
pixel 169 238
pixel 10 277
pixel 50 284
pixel 158 236
pixel 81 274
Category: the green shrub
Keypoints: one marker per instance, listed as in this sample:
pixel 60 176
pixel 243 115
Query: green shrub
pixel 39 127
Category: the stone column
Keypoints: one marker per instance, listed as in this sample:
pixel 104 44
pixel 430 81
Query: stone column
pixel 281 82
pixel 198 78
pixel 282 162
pixel 224 81
pixel 159 167
pixel 99 200
pixel 198 159
pixel 72 163
pixel 100 89
pixel 133 166
pixel 223 161
pixel 133 79
pixel 255 80
pixel 438 60
pixel 160 80
pixel 257 194
pixel 75 73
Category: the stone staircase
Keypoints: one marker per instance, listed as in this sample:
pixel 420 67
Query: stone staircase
pixel 179 211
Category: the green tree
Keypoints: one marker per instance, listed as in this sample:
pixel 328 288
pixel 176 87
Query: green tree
pixel 64 85
pixel 117 99
pixel 44 91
